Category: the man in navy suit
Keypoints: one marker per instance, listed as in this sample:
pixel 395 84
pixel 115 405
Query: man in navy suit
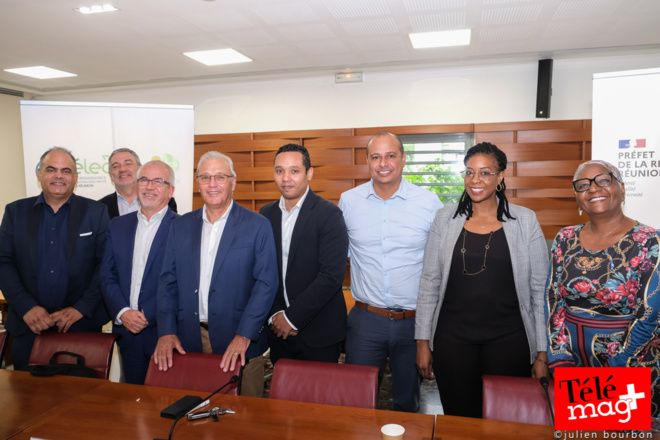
pixel 51 248
pixel 123 165
pixel 132 262
pixel 308 318
pixel 219 279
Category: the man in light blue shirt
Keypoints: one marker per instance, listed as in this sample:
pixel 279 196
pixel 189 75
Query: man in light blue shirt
pixel 388 221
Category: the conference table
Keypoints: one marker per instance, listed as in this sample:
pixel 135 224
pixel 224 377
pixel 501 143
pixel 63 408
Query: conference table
pixel 63 407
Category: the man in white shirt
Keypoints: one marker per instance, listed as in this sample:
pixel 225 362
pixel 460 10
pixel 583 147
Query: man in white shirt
pixel 308 317
pixel 131 267
pixel 219 279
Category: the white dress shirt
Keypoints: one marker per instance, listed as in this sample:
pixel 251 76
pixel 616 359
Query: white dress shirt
pixel 211 235
pixel 144 237
pixel 289 219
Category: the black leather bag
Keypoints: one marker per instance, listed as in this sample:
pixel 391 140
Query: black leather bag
pixel 78 369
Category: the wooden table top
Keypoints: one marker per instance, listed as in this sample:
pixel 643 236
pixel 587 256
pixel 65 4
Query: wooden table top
pixel 123 411
pixel 24 399
pixel 466 428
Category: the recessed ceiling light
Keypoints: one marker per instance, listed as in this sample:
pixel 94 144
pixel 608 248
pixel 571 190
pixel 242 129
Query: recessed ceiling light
pixel 40 72
pixel 424 40
pixel 96 9
pixel 217 57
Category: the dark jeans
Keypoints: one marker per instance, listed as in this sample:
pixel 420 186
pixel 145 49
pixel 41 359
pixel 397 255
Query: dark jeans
pixel 372 338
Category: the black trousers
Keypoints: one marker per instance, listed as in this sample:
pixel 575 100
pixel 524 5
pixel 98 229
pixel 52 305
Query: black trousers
pixel 295 348
pixel 458 368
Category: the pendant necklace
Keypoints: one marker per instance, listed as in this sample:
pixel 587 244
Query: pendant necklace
pixel 483 266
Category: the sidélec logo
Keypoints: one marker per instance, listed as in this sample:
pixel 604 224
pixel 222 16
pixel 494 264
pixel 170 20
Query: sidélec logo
pixel 603 398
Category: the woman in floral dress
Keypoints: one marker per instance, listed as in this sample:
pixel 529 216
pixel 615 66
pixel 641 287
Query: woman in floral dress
pixel 603 296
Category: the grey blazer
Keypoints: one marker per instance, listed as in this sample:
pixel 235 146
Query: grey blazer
pixel 529 256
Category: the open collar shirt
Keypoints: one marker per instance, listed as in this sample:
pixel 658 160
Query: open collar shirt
pixel 386 242
pixel 125 207
pixel 145 232
pixel 211 236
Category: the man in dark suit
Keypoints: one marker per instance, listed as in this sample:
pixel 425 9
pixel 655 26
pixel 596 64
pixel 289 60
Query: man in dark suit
pixel 219 279
pixel 308 318
pixel 123 168
pixel 51 248
pixel 132 262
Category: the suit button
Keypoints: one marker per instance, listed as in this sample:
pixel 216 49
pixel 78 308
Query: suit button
pixel 195 313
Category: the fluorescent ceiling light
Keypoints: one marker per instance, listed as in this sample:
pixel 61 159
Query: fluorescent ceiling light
pixel 40 72
pixel 424 40
pixel 96 9
pixel 217 57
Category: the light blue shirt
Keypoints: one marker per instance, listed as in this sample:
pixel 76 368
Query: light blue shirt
pixel 125 207
pixel 386 242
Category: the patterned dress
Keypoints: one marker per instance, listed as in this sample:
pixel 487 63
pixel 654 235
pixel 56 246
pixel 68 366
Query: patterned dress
pixel 602 306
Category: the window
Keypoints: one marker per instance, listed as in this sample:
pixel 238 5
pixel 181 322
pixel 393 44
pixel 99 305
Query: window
pixel 434 161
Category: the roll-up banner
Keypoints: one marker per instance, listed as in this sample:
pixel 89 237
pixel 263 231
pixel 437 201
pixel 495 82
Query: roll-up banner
pixel 626 133
pixel 93 130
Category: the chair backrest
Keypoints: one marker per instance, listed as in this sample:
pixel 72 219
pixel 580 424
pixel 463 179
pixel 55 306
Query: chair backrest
pixel 94 347
pixel 192 371
pixel 517 399
pixel 3 343
pixel 325 382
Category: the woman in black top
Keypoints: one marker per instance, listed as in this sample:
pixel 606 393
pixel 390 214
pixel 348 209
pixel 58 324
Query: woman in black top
pixel 480 303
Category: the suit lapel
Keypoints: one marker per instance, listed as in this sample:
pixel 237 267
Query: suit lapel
pixel 113 208
pixel 511 235
pixel 228 234
pixel 33 232
pixel 196 242
pixel 454 228
pixel 276 222
pixel 159 238
pixel 72 228
pixel 298 229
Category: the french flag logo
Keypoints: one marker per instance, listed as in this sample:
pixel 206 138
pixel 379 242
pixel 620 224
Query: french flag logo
pixel 632 143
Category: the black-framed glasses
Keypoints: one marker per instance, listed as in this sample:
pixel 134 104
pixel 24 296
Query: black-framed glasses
pixel 220 178
pixel 484 175
pixel 603 180
pixel 158 182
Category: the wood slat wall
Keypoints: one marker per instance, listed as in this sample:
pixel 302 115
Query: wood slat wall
pixel 543 155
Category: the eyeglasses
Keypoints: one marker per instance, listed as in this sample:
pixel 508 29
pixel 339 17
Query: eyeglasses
pixel 220 178
pixel 158 182
pixel 603 180
pixel 483 175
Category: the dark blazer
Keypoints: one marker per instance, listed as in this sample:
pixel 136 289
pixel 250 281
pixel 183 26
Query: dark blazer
pixel 117 270
pixel 113 208
pixel 243 284
pixel 19 232
pixel 315 270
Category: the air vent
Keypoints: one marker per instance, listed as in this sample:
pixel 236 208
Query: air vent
pixel 11 92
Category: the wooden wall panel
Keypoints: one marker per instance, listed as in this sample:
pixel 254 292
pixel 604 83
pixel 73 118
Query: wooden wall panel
pixel 542 157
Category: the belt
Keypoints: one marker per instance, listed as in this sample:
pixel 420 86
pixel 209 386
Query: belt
pixel 204 325
pixel 386 312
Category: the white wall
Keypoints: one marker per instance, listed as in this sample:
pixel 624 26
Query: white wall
pixel 12 176
pixel 489 93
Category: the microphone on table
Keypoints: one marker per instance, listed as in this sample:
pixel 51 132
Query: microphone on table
pixel 544 383
pixel 235 378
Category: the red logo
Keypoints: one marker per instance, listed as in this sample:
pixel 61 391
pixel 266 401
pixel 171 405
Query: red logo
pixel 603 398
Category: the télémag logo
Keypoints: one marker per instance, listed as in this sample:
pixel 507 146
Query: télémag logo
pixel 603 398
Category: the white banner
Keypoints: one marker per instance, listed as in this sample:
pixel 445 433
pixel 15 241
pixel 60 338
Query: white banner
pixel 93 130
pixel 626 133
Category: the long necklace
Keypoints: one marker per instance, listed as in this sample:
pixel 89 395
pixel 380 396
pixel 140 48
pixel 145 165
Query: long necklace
pixel 483 266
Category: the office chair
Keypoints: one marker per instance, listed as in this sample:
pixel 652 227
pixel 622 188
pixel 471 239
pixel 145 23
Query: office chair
pixel 192 371
pixel 517 399
pixel 94 347
pixel 325 382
